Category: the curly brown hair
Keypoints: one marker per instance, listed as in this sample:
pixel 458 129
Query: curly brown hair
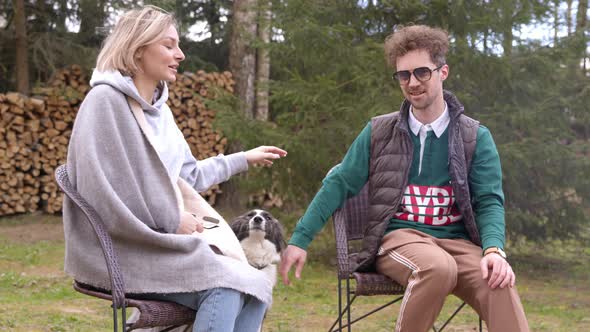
pixel 417 37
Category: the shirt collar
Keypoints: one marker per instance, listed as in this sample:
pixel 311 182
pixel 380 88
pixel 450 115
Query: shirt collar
pixel 438 126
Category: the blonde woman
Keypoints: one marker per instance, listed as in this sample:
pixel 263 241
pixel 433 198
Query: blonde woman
pixel 127 166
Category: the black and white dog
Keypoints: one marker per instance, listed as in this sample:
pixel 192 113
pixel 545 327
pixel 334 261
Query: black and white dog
pixel 261 237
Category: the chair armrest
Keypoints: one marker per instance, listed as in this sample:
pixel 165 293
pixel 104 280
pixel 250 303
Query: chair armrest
pixel 341 244
pixel 339 220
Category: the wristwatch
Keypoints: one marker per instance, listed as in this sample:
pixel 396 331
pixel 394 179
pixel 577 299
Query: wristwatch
pixel 495 250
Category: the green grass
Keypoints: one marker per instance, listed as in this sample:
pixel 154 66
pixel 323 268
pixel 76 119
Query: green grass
pixel 35 294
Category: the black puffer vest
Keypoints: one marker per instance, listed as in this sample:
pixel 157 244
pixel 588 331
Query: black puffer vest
pixel 391 159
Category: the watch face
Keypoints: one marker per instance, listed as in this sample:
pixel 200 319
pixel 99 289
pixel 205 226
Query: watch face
pixel 501 253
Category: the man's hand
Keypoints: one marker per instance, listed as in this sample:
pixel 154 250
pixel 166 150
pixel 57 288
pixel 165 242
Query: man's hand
pixel 189 224
pixel 497 269
pixel 292 255
pixel 264 155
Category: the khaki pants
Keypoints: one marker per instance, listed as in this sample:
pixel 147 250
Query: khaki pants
pixel 431 269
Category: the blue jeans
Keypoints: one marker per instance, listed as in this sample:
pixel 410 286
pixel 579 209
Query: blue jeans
pixel 225 309
pixel 219 309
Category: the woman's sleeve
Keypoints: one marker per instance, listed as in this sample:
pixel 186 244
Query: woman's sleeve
pixel 202 174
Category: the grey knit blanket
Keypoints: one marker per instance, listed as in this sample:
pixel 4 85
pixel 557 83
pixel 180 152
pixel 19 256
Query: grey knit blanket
pixel 119 173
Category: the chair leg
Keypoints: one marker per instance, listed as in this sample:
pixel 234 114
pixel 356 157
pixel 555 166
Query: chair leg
pixel 347 309
pixel 375 310
pixel 450 318
pixel 340 310
pixel 115 323
pixel 124 318
pixel 348 303
pixel 341 314
pixel 348 306
pixel 363 316
pixel 339 304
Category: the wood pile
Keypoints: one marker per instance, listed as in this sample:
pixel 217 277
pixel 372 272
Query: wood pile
pixel 35 132
pixel 265 199
pixel 20 162
pixel 63 96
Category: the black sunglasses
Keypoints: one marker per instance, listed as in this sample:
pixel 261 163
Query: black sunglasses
pixel 422 74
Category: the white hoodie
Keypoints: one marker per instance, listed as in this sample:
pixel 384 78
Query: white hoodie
pixel 169 141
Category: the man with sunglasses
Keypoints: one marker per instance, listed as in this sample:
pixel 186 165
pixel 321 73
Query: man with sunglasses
pixel 436 206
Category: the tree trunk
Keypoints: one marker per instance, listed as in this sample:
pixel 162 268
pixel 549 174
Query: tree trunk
pixel 507 42
pixel 263 61
pixel 62 15
pixel 242 64
pixel 582 17
pixel 581 27
pixel 242 55
pixel 92 15
pixel 485 41
pixel 461 43
pixel 568 17
pixel 22 58
pixel 507 24
pixel 555 21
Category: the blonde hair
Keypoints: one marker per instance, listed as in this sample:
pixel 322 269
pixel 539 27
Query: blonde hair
pixel 134 30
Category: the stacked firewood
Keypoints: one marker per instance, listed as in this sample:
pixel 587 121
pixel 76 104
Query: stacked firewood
pixel 20 162
pixel 63 97
pixel 34 133
pixel 265 199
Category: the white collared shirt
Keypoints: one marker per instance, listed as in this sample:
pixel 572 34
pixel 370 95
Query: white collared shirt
pixel 419 129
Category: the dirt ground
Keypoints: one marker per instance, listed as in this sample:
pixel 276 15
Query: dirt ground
pixel 31 233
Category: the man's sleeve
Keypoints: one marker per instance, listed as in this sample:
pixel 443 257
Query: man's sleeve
pixel 345 180
pixel 485 182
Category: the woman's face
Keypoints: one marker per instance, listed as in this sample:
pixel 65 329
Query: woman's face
pixel 159 60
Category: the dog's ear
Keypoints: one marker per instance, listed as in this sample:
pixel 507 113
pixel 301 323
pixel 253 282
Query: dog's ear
pixel 240 226
pixel 275 234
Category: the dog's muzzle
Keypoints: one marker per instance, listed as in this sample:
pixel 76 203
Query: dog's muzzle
pixel 257 223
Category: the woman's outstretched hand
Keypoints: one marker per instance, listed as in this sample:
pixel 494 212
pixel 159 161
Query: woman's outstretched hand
pixel 264 155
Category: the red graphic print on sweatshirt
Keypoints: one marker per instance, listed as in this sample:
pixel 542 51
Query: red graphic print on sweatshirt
pixel 430 205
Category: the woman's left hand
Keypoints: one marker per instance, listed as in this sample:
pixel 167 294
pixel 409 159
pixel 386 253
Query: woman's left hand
pixel 264 155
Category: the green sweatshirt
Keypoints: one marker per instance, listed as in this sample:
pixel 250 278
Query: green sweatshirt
pixel 428 203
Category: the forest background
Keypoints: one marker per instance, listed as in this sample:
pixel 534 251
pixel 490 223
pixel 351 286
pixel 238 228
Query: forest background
pixel 519 66
pixel 309 75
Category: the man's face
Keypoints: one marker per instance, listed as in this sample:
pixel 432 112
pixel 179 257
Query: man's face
pixel 421 94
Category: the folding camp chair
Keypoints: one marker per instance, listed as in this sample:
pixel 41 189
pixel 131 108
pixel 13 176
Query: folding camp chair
pixel 152 313
pixel 349 228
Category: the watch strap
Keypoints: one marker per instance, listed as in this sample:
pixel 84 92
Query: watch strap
pixel 495 250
